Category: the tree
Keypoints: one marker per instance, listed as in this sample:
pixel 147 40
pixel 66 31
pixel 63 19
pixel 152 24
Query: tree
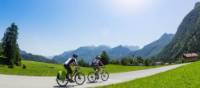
pixel 135 62
pixel 199 57
pixel 125 61
pixel 18 56
pixel 1 50
pixel 10 46
pixel 81 62
pixel 105 58
pixel 140 59
pixel 147 62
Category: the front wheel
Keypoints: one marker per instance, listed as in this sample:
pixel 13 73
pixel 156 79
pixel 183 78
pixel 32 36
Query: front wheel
pixel 60 82
pixel 80 78
pixel 104 76
pixel 91 77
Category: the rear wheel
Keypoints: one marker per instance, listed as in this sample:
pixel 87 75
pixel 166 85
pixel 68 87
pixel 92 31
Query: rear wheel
pixel 91 77
pixel 60 82
pixel 104 76
pixel 80 78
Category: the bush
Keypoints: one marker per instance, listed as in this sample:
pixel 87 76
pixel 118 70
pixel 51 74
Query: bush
pixel 180 60
pixel 24 66
pixel 127 61
pixel 10 66
pixel 2 60
pixel 124 61
pixel 137 61
pixel 115 62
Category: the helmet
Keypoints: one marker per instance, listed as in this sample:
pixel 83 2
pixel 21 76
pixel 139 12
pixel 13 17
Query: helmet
pixel 75 55
pixel 98 57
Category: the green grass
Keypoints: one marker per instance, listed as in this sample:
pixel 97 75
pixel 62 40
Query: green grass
pixel 45 69
pixel 184 77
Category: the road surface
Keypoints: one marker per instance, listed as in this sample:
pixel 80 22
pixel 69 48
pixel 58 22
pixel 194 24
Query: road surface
pixel 8 81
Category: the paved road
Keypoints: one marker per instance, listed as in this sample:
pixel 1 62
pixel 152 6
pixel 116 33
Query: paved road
pixel 8 81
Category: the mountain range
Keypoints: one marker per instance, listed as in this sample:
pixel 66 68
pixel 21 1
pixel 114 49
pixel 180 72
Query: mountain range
pixel 89 52
pixel 155 47
pixel 187 37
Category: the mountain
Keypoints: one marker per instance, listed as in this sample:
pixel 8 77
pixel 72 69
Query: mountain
pixel 89 52
pixel 86 52
pixel 187 38
pixel 155 47
pixel 118 52
pixel 132 48
pixel 39 58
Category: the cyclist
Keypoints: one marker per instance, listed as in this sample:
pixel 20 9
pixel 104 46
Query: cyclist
pixel 68 66
pixel 97 63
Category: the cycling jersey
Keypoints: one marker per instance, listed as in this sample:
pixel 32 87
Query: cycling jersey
pixel 70 60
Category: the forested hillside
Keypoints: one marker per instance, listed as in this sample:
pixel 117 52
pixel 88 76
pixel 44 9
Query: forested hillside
pixel 32 57
pixel 1 50
pixel 187 38
pixel 155 47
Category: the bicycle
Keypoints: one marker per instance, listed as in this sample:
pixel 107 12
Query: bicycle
pixel 95 75
pixel 62 80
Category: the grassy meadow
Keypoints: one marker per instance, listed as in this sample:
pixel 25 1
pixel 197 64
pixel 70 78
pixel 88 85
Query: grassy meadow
pixel 46 69
pixel 187 76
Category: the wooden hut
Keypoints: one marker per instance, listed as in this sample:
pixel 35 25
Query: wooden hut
pixel 190 57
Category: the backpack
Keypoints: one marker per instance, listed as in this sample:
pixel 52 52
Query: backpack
pixel 95 62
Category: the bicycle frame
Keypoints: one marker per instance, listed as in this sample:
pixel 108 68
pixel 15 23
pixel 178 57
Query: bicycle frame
pixel 75 72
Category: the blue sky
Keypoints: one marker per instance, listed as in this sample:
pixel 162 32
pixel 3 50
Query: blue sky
pixel 50 27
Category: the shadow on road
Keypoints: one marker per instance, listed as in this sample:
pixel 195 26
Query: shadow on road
pixel 68 86
pixel 72 86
